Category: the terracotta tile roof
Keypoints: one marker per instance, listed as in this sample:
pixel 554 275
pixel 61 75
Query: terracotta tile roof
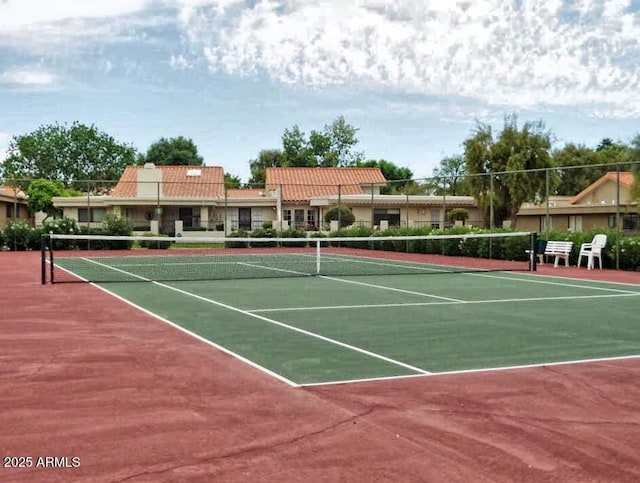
pixel 300 184
pixel 176 182
pixel 245 193
pixel 11 192
pixel 626 180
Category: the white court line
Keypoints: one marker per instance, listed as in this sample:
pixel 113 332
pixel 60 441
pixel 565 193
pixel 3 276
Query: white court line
pixel 280 324
pixel 393 289
pixel 547 282
pixel 463 302
pixel 472 371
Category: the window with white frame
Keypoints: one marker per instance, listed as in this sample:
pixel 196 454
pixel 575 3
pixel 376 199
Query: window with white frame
pixel 92 215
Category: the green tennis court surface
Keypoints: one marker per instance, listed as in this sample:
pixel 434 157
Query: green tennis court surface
pixel 326 329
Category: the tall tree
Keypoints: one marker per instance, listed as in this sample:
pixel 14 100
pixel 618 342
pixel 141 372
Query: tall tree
pixel 343 141
pixel 634 157
pixel 41 193
pixel 583 172
pixel 178 151
pixel 267 158
pixel 399 178
pixel 450 176
pixel 580 166
pixel 331 147
pixel 67 154
pixel 296 149
pixel 232 181
pixel 511 156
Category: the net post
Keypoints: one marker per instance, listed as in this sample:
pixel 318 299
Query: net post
pixel 533 262
pixel 43 261
pixel 318 256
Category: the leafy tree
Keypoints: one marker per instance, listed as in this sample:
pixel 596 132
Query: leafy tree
pixel 341 213
pixel 514 152
pixel 41 193
pixel 634 156
pixel 587 164
pixel 450 176
pixel 572 181
pixel 331 147
pixel 231 181
pixel 296 148
pixel 66 154
pixel 399 178
pixel 178 151
pixel 343 141
pixel 268 158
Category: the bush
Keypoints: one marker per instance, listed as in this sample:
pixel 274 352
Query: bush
pixel 293 233
pixel 19 235
pixel 157 244
pixel 62 226
pixel 341 212
pixel 458 214
pixel 264 233
pixel 114 225
pixel 629 253
pixel 117 226
pixel 238 244
pixel 317 235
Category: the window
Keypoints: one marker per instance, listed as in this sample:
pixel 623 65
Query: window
pixel 287 216
pixel 299 218
pixel 311 218
pixel 91 214
pixel 575 223
pixel 186 215
pixel 543 223
pixel 391 215
pixel 10 212
pixel 630 222
pixel 435 219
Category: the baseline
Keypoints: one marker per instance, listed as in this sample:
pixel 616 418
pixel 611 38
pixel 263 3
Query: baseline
pixel 473 371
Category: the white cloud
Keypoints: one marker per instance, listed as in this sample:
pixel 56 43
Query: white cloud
pixel 16 14
pixel 4 145
pixel 28 76
pixel 520 54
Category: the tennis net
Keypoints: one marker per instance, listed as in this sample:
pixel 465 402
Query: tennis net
pixel 93 258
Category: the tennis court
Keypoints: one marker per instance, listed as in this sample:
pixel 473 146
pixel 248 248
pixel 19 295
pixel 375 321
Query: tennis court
pixel 394 318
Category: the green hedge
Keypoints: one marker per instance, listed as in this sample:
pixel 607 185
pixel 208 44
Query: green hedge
pixel 157 244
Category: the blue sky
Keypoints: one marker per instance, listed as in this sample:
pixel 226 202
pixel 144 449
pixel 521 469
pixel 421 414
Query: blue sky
pixel 413 76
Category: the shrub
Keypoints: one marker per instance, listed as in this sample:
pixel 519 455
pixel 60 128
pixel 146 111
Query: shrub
pixel 62 226
pixel 458 214
pixel 319 234
pixel 629 253
pixel 264 233
pixel 19 235
pixel 238 244
pixel 117 225
pixel 114 225
pixel 157 244
pixel 293 233
pixel 341 212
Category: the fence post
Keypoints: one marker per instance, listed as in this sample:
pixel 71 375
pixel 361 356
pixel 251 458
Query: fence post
pixel 617 217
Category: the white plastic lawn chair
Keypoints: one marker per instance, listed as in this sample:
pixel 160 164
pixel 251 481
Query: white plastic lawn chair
pixel 593 250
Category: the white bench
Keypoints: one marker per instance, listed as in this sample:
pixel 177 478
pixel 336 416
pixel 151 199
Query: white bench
pixel 558 249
